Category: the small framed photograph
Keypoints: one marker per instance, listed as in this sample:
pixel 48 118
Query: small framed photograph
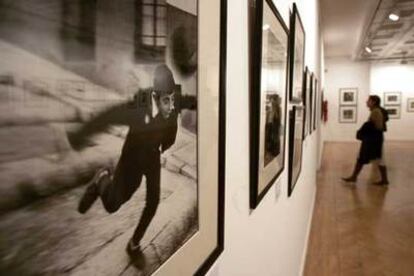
pixel 348 96
pixel 394 112
pixel 410 105
pixel 392 98
pixel 296 56
pixel 347 114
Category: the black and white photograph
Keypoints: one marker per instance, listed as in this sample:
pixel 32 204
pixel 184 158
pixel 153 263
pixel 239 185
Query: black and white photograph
pixel 295 146
pixel 268 100
pixel 410 105
pixel 392 98
pixel 296 56
pixel 102 142
pixel 348 96
pixel 347 114
pixel 394 112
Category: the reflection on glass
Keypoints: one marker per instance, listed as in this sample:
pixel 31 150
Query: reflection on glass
pixel 273 65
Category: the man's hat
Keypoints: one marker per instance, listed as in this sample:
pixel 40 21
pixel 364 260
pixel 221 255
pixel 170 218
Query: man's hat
pixel 163 80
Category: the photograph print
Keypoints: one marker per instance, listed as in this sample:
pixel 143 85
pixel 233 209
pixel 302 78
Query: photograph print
pixel 410 105
pixel 296 56
pixel 348 96
pixel 104 154
pixel 347 114
pixel 295 146
pixel 392 98
pixel 268 99
pixel 394 112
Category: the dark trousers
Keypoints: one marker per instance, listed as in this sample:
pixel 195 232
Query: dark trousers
pixel 116 190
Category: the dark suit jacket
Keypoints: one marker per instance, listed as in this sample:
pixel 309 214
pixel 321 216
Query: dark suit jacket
pixel 146 134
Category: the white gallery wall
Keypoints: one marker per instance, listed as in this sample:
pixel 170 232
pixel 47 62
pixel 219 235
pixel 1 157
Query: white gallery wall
pixel 343 73
pixel 370 79
pixel 271 239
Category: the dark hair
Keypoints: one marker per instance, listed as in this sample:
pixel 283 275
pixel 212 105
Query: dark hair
pixel 375 99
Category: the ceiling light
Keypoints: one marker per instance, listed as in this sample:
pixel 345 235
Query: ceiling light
pixel 266 27
pixel 394 16
pixel 368 49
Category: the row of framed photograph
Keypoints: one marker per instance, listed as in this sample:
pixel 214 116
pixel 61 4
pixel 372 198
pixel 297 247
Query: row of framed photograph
pixel 277 76
pixel 348 98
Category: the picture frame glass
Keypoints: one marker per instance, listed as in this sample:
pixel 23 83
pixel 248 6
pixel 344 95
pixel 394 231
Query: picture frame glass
pixel 143 137
pixel 297 56
pixel 392 98
pixel 348 96
pixel 295 147
pixel 273 98
pixel 347 114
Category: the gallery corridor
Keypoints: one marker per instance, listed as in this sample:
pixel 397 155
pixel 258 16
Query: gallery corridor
pixel 363 229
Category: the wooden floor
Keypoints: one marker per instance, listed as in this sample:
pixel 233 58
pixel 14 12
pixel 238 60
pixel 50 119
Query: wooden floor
pixel 363 229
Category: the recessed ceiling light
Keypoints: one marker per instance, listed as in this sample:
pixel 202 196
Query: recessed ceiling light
pixel 368 50
pixel 266 27
pixel 394 16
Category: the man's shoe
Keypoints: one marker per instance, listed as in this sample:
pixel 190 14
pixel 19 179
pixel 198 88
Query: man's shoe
pixel 91 192
pixel 349 179
pixel 136 255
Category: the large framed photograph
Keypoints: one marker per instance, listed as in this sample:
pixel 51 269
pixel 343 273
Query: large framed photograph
pixel 112 136
pixel 295 146
pixel 268 99
pixel 348 96
pixel 392 98
pixel 394 112
pixel 410 105
pixel 296 56
pixel 347 114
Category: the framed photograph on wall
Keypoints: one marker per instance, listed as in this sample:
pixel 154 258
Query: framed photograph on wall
pixel 311 101
pixel 296 56
pixel 394 112
pixel 348 96
pixel 315 101
pixel 347 114
pixel 268 99
pixel 392 98
pixel 410 105
pixel 295 146
pixel 123 161
pixel 307 102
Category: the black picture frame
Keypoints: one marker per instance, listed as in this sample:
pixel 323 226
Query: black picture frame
pixel 307 104
pixel 315 101
pixel 311 101
pixel 265 168
pixel 297 40
pixel 295 146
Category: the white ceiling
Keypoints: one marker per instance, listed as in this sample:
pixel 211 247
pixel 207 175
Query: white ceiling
pixel 343 24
